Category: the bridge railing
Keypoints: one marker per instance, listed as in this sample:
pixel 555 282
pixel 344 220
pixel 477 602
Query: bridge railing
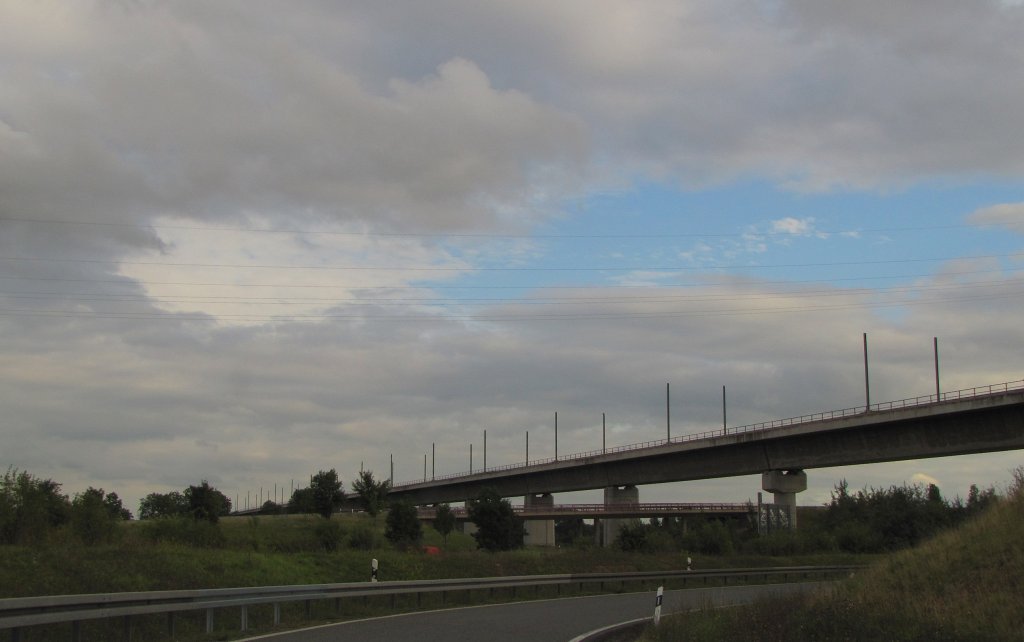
pixel 19 613
pixel 427 512
pixel 945 397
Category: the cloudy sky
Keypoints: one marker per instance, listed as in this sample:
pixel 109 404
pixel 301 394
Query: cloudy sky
pixel 245 241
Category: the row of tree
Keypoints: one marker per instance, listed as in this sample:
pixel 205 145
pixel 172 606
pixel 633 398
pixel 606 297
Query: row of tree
pixel 498 527
pixel 872 520
pixel 32 508
pixel 202 503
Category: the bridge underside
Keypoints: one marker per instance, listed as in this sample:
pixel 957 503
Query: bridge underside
pixel 978 425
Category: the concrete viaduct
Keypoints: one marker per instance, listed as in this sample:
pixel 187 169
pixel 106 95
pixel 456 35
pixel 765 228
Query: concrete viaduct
pixel 972 421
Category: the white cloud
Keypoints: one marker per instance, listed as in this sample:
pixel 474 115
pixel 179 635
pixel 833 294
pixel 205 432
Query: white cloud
pixel 1008 215
pixel 790 225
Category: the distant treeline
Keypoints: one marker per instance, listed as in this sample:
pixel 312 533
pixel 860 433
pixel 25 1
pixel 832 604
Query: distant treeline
pixel 36 511
pixel 867 521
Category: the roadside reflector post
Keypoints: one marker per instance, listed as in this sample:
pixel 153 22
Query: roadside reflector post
pixel 657 604
pixel 373 570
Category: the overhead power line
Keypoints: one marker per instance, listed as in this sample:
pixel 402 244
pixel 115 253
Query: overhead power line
pixel 505 317
pixel 449 287
pixel 485 235
pixel 471 269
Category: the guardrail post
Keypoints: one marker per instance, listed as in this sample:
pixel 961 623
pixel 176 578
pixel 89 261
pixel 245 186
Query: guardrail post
pixel 76 631
pixel 16 634
pixel 277 613
pixel 209 620
pixel 245 617
pixel 170 623
pixel 309 609
pixel 128 628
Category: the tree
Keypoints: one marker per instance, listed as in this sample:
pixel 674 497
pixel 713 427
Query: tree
pixel 632 536
pixel 444 521
pixel 327 495
pixel 302 501
pixel 154 505
pixel 30 507
pixel 498 527
pixel 115 507
pixel 403 525
pixel 92 518
pixel 206 502
pixel 372 494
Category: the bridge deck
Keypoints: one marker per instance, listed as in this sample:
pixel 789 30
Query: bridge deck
pixel 975 420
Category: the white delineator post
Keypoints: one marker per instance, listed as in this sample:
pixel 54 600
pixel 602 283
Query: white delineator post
pixel 373 570
pixel 657 604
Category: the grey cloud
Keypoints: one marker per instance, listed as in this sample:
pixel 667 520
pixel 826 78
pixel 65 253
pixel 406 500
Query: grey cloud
pixel 215 113
pixel 259 405
pixel 402 118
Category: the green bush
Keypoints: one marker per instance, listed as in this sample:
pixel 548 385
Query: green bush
pixel 30 508
pixel 329 534
pixel 363 537
pixel 92 519
pixel 498 527
pixel 632 536
pixel 403 525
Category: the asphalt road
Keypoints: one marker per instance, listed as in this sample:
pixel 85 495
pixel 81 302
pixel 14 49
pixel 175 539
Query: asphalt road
pixel 542 621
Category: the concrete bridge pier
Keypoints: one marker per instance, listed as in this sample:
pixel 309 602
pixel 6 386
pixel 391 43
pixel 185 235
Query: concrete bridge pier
pixel 608 529
pixel 539 532
pixel 784 485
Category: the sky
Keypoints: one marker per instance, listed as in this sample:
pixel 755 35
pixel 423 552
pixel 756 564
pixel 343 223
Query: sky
pixel 245 241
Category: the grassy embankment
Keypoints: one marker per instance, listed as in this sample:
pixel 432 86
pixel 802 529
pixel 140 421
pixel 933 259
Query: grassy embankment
pixel 281 550
pixel 275 550
pixel 965 584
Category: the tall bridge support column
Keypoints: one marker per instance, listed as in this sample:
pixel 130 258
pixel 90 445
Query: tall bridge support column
pixel 539 532
pixel 784 484
pixel 608 529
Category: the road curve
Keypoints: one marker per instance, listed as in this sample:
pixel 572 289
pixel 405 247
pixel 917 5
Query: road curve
pixel 556 620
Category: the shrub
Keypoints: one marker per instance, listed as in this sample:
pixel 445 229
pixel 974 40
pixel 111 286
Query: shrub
pixel 444 521
pixel 30 508
pixel 172 504
pixel 498 527
pixel 93 518
pixel 403 525
pixel 329 534
pixel 363 537
pixel 206 503
pixel 631 537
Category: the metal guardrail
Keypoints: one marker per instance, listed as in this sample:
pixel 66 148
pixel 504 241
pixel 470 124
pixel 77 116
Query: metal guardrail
pixel 21 612
pixel 912 402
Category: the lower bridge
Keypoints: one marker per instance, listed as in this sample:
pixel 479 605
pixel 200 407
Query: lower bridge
pixel 599 511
